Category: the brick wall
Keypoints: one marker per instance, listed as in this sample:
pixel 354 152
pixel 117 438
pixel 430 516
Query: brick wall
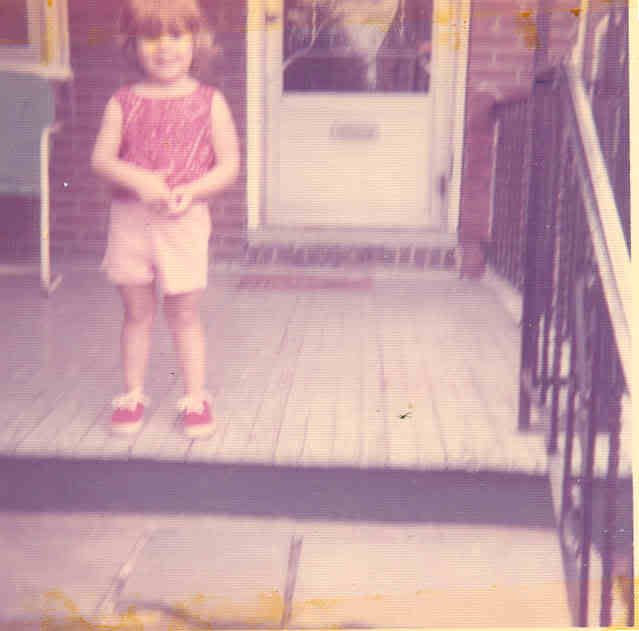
pixel 79 200
pixel 501 51
pixel 502 43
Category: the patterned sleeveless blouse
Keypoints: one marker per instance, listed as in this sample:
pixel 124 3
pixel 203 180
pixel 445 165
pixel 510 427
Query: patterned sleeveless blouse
pixel 171 134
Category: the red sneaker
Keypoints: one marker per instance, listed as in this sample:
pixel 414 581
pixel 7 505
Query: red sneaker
pixel 128 412
pixel 197 420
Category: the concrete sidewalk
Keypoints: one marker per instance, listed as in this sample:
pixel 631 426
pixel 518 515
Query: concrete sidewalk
pixel 203 572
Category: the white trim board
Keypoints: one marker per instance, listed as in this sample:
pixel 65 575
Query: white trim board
pixel 463 25
pixel 47 53
pixel 255 109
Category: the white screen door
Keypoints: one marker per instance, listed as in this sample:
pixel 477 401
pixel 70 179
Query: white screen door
pixel 350 128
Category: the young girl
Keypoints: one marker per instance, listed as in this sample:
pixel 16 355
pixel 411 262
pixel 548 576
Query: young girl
pixel 166 144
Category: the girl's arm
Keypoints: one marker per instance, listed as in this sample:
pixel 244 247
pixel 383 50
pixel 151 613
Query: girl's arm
pixel 227 156
pixel 149 186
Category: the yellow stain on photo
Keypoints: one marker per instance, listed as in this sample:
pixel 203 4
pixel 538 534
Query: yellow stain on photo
pixel 442 16
pixel 59 611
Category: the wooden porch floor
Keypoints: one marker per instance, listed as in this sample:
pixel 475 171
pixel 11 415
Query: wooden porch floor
pixel 398 370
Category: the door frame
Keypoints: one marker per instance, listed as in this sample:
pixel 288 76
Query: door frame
pixel 452 29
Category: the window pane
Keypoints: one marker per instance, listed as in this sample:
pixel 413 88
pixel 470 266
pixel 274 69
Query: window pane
pixel 357 45
pixel 14 23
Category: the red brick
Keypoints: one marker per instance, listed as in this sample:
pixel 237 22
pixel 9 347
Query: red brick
pixel 474 220
pixel 473 263
pixel 487 27
pixel 515 57
pixel 483 9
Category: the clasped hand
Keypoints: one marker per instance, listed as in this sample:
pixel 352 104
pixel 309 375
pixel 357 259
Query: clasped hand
pixel 155 192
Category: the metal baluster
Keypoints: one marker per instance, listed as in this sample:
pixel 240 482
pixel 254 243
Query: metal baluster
pixel 613 407
pixel 588 468
pixel 567 479
pixel 528 337
pixel 508 167
pixel 506 188
pixel 503 203
pixel 549 231
pixel 614 392
pixel 502 185
pixel 561 223
pixel 524 171
pixel 534 255
pixel 498 223
pixel 568 262
pixel 578 269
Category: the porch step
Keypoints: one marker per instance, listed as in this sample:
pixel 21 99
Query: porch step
pixel 416 248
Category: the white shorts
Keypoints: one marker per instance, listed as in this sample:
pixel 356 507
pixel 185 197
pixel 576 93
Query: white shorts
pixel 144 246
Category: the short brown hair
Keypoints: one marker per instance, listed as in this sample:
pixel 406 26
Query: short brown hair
pixel 151 18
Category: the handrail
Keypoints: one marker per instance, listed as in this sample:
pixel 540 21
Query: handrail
pixel 603 219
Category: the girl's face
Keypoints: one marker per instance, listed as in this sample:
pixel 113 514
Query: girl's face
pixel 166 58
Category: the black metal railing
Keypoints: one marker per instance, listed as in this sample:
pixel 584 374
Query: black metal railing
pixel 570 261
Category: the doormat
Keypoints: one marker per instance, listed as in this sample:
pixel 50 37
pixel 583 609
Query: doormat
pixel 303 282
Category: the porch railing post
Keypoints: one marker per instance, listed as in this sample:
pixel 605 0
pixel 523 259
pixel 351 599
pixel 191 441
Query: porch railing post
pixel 532 251
pixel 528 342
pixel 559 287
pixel 587 490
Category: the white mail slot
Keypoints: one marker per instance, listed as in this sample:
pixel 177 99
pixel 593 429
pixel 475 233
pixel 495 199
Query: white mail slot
pixel 354 131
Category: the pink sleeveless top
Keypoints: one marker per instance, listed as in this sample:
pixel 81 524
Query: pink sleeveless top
pixel 172 134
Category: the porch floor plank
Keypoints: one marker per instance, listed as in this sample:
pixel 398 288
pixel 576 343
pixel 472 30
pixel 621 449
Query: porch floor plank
pixel 326 362
pixel 31 375
pixel 62 388
pixel 348 396
pixel 263 426
pixel 374 437
pixel 426 410
pixel 415 371
pixel 292 434
pixel 402 438
pixel 441 368
pixel 262 328
pixel 91 407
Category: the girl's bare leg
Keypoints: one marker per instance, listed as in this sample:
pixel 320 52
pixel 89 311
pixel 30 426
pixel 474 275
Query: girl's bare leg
pixel 183 316
pixel 135 341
